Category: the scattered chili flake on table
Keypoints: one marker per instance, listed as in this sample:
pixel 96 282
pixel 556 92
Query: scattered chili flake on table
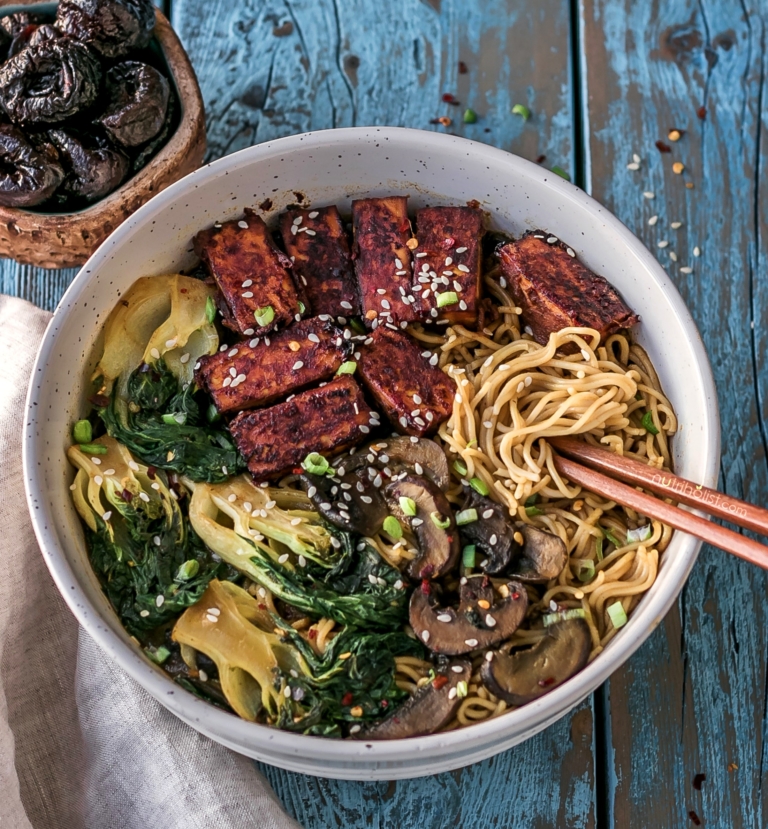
pixel 541 159
pixel 662 147
pixel 695 818
pixel 702 112
pixel 463 68
pixel 448 98
pixel 698 780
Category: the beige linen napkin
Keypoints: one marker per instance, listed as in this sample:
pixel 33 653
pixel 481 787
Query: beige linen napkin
pixel 82 746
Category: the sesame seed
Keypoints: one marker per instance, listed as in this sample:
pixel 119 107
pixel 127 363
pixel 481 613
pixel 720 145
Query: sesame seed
pixel 107 515
pixel 160 600
pixel 247 294
pixel 170 343
pixel 297 365
pixel 686 269
pixel 155 486
pixel 403 421
pixel 444 617
pixel 462 305
pixel 314 214
pixel 364 429
pixel 270 504
pixel 97 461
pixel 551 240
pixel 488 424
pixel 471 642
pixel 254 342
pixel 154 353
pixel 663 243
pixel 434 358
pixel 493 539
pixel 421 255
pixel 673 256
pixel 144 613
pixel 633 166
pixel 283 558
pixel 133 465
pixel 227 382
pixel 452 693
pixel 232 498
pixel 310 232
pixel 346 305
pixel 649 194
pixel 242 224
pixel 697 251
pixel 676 225
pixel 385 304
pixel 144 497
pixel 425 636
pixel 298 220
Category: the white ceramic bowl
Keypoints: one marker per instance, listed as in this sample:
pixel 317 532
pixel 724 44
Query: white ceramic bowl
pixel 334 167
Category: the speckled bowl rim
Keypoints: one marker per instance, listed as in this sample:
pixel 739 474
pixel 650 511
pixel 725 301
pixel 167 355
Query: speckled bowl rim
pixel 357 759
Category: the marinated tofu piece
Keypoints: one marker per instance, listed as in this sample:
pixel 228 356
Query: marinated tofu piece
pixel 383 260
pixel 415 395
pixel 556 291
pixel 322 262
pixel 251 274
pixel 260 371
pixel 327 420
pixel 447 263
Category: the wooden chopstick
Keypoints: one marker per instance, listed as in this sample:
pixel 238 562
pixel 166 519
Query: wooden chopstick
pixel 669 514
pixel 666 484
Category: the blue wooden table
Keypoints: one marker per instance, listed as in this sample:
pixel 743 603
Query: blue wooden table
pixel 604 81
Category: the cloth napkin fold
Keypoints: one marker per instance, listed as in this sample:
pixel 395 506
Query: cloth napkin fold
pixel 82 746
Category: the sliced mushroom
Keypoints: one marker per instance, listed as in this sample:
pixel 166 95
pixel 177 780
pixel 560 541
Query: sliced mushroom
pixel 526 675
pixel 350 502
pixel 493 533
pixel 444 630
pixel 413 455
pixel 430 708
pixel 542 558
pixel 438 545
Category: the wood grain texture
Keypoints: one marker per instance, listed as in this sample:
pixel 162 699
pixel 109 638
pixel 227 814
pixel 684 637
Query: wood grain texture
pixel 693 698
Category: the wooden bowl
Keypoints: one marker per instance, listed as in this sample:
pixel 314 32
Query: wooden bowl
pixel 63 240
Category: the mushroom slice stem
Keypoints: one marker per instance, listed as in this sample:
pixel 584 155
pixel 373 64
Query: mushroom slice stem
pixel 527 675
pixel 474 626
pixel 430 708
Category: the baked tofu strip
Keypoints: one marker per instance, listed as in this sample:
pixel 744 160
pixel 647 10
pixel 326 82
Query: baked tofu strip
pixel 322 262
pixel 260 371
pixel 447 263
pixel 556 291
pixel 383 261
pixel 251 274
pixel 327 420
pixel 411 390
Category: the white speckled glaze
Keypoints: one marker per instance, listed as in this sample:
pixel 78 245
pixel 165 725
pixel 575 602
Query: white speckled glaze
pixel 335 167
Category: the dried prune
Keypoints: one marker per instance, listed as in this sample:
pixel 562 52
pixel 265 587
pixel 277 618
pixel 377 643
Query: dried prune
pixel 14 24
pixel 138 102
pixel 111 27
pixel 28 175
pixel 93 167
pixel 43 33
pixel 49 82
pixel 148 150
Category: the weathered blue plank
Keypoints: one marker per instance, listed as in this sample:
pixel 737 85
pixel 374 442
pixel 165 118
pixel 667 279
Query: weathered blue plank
pixel 693 699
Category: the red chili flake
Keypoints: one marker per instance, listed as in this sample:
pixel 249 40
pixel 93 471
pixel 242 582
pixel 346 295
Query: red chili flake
pixel 541 159
pixel 384 703
pixel 151 472
pixel 439 681
pixel 485 582
pixel 515 596
pixel 183 291
pixel 347 698
pixel 448 243
pixel 702 112
pixel 698 780
pixel 312 633
pixel 100 400
pixel 545 683
pixel 463 68
pixel 427 571
pixel 662 147
pixel 297 470
pixel 264 607
pixel 426 587
pixel 127 496
pixel 695 818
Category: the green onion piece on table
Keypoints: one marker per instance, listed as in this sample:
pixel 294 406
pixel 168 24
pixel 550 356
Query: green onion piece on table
pixel 466 516
pixel 521 110
pixel 82 431
pixel 315 464
pixel 392 527
pixel 407 505
pixel 470 116
pixel 479 486
pixel 561 172
pixel 264 315
pixel 618 614
pixel 648 423
pixel 347 367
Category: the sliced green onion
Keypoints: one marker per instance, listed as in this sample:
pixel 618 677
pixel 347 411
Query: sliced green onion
pixel 561 172
pixel 407 505
pixel 521 110
pixel 188 570
pixel 612 538
pixel 82 431
pixel 466 516
pixel 158 655
pixel 357 326
pixel 470 116
pixel 599 549
pixel 440 521
pixel 640 534
pixel 468 556
pixel 93 449
pixel 210 310
pixel 639 396
pixel 460 467
pixel 648 423
pixel 471 444
pixel 480 486
pixel 532 500
pixel 447 298
pixel 586 569
pixel 563 616
pixel 618 614
pixel 347 367
pixel 531 511
pixel 212 414
pixel 178 419
pixel 392 527
pixel 462 689
pixel 302 307
pixel 315 463
pixel 264 315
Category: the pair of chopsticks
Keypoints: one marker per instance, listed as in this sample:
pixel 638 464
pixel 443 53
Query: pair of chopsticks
pixel 666 484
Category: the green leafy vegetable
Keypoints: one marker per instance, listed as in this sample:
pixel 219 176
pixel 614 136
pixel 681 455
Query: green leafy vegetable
pixel 531 511
pixel 532 500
